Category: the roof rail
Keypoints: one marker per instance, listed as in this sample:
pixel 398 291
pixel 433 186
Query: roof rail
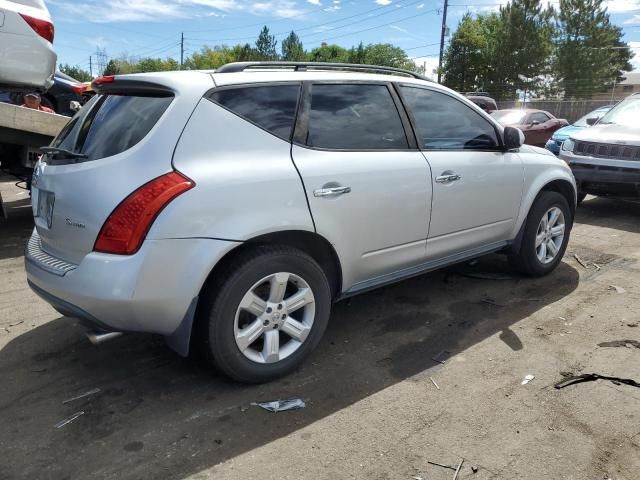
pixel 304 66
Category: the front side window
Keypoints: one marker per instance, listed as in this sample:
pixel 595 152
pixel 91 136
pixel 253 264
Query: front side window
pixel 354 117
pixel 445 123
pixel 271 107
pixel 538 117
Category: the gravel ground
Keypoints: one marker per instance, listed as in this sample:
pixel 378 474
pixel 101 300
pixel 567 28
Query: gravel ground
pixel 372 410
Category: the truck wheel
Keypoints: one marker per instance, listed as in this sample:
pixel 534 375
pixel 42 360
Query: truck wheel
pixel 545 237
pixel 265 314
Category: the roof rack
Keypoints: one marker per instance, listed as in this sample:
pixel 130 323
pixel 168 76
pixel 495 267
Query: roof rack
pixel 305 66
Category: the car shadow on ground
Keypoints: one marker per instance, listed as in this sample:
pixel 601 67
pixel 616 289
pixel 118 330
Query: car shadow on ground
pixel 610 213
pixel 15 229
pixel 160 416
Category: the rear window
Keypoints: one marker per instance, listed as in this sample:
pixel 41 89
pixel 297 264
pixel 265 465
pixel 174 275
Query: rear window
pixel 111 124
pixel 272 108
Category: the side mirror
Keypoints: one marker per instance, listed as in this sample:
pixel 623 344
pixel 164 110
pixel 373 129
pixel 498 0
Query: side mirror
pixel 74 106
pixel 592 120
pixel 513 138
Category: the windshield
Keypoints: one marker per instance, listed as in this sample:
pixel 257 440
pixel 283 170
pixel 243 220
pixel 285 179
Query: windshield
pixel 509 117
pixel 582 122
pixel 626 113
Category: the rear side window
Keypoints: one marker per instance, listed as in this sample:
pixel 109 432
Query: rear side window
pixel 272 107
pixel 354 117
pixel 445 123
pixel 111 124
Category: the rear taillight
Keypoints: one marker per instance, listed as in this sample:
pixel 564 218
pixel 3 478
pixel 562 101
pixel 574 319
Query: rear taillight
pixel 127 226
pixel 78 88
pixel 105 79
pixel 44 28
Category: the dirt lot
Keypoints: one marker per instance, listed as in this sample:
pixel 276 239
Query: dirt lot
pixel 372 410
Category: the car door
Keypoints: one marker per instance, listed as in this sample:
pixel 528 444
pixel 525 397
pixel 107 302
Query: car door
pixel 541 127
pixel 368 186
pixel 477 185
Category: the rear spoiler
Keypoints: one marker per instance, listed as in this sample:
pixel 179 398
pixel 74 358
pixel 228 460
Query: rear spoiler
pixel 114 85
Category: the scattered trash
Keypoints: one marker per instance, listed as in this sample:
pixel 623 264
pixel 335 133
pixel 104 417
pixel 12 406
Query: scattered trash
pixel 632 324
pixel 415 477
pixel 527 379
pixel 440 357
pixel 621 343
pixel 474 469
pixel 82 395
pixel 281 405
pixel 15 324
pixel 69 420
pixel 598 267
pixel 487 275
pixel 434 382
pixel 579 260
pixel 617 288
pixel 591 377
pixel 458 469
pixel 441 465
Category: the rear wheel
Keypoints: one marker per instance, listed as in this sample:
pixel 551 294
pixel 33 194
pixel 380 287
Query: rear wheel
pixel 546 235
pixel 267 315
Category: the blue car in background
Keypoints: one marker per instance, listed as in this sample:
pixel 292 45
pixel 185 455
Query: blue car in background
pixel 562 134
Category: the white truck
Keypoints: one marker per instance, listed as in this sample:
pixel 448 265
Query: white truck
pixel 22 132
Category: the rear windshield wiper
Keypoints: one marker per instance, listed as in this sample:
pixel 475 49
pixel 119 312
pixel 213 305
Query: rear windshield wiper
pixel 63 151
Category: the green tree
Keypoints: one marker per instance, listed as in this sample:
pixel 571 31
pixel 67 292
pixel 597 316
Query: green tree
pixel 588 56
pixel 329 53
pixel 75 72
pixel 266 45
pixel 467 60
pixel 112 68
pixel 209 58
pixel 357 55
pixel 519 51
pixel 292 49
pixel 387 55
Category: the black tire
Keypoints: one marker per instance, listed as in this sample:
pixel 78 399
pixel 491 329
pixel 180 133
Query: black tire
pixel 581 197
pixel 224 294
pixel 526 261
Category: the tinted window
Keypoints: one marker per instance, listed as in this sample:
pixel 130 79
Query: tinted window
pixel 538 117
pixel 444 122
pixel 110 124
pixel 354 117
pixel 270 107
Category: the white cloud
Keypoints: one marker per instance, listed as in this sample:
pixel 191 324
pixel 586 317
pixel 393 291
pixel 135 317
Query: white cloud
pixel 635 20
pixel 420 6
pixel 622 6
pixel 383 2
pixel 332 8
pixel 635 61
pixel 314 2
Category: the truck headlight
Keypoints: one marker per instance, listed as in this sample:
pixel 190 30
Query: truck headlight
pixel 567 145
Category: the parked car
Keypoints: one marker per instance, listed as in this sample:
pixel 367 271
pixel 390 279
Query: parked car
pixel 537 125
pixel 27 56
pixel 553 145
pixel 487 104
pixel 65 95
pixel 605 159
pixel 229 209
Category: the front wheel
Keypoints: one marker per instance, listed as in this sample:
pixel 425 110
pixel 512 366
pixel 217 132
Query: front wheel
pixel 267 315
pixel 546 235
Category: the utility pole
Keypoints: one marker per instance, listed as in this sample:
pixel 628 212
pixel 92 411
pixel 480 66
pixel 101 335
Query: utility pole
pixel 90 66
pixel 444 27
pixel 181 49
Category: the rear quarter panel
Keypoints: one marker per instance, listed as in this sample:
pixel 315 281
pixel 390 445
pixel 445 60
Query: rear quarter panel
pixel 246 183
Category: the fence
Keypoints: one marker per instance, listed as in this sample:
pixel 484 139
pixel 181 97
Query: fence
pixel 572 110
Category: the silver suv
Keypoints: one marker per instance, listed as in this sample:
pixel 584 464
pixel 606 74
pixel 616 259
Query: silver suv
pixel 229 209
pixel 605 158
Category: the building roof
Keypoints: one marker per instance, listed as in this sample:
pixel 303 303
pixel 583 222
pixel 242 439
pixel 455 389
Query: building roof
pixel 631 78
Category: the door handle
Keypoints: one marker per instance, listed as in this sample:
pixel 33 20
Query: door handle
pixel 331 191
pixel 448 177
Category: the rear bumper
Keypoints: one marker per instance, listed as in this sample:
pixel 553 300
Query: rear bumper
pixel 152 291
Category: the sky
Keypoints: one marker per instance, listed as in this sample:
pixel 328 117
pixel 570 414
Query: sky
pixel 142 28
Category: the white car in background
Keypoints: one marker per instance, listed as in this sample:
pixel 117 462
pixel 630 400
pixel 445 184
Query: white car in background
pixel 27 57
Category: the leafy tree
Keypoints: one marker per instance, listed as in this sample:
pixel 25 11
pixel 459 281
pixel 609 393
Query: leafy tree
pixel 112 68
pixel 329 53
pixel 520 48
pixel 209 58
pixel 75 72
pixel 357 55
pixel 292 49
pixel 387 55
pixel 467 59
pixel 588 55
pixel 266 45
pixel 244 53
